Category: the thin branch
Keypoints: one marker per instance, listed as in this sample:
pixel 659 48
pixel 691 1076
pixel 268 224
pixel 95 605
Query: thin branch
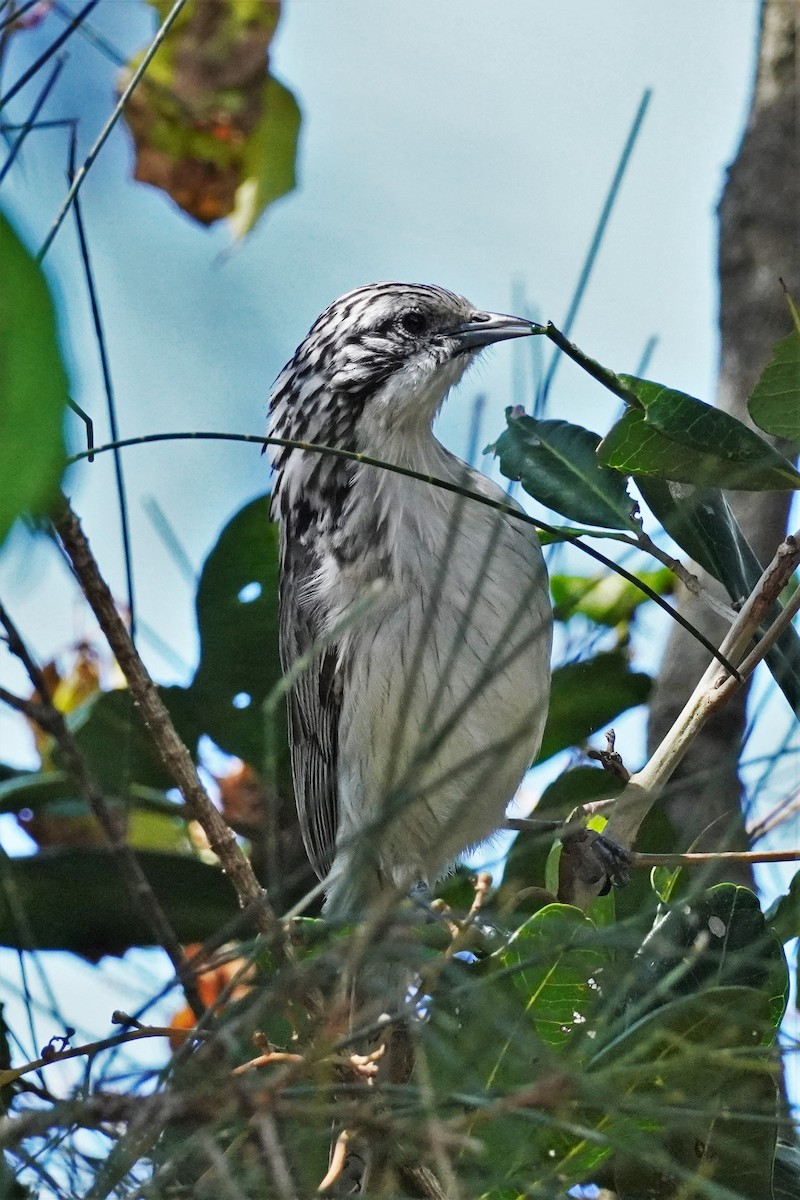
pixel 713 856
pixel 92 1112
pixel 89 1049
pixel 597 238
pixel 173 752
pixel 509 510
pixel 52 49
pixel 267 1132
pixel 646 544
pixel 108 389
pixel 31 121
pixel 45 714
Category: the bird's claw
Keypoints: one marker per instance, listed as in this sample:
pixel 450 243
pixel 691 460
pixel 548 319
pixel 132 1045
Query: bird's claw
pixel 615 859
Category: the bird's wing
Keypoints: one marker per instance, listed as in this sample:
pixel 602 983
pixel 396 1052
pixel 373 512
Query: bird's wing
pixel 314 703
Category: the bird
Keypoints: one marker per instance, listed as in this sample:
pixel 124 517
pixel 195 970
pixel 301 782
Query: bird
pixel 415 622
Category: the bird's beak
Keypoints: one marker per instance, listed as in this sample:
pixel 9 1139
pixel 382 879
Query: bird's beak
pixel 485 328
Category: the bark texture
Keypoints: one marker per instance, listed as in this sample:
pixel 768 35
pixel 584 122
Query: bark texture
pixel 759 244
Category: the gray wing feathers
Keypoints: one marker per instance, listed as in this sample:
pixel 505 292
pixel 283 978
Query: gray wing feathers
pixel 313 703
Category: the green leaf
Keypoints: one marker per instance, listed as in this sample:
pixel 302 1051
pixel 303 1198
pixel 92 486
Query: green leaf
pixel 586 696
pixel 99 918
pixel 557 465
pixel 695 1095
pixel 675 441
pixel 783 915
pixel 775 402
pixel 606 599
pixel 237 618
pixel 269 158
pixel 111 734
pixel 33 387
pixel 554 972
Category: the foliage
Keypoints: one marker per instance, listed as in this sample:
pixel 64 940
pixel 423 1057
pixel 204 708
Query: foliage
pixel 667 999
pixel 33 385
pixel 632 1045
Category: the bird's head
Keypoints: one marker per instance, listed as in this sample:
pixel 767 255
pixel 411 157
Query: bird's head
pixel 379 360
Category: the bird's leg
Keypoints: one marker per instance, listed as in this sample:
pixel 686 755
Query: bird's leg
pixel 587 855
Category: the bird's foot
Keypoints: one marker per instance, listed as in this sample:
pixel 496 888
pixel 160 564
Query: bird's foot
pixel 591 864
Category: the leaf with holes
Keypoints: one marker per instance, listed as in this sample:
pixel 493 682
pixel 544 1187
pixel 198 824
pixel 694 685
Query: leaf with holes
pixel 553 958
pixel 237 618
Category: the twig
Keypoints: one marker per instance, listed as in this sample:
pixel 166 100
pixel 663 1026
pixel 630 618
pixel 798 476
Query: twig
pixel 338 1158
pixel 610 759
pixel 712 856
pixel 516 514
pixel 45 714
pixel 12 1074
pixel 96 1111
pixel 173 752
pixel 714 690
pixel 52 49
pixel 692 584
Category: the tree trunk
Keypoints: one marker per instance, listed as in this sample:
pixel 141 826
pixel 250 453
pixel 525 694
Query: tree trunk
pixel 759 237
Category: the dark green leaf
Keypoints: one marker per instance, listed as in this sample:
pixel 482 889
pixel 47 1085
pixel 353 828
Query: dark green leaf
pixel 99 918
pixel 33 386
pixel 730 1142
pixel 53 812
pixel 607 599
pixel 775 402
pixel 237 617
pixel 637 446
pixel 120 751
pixel 668 1066
pixel 9 772
pixel 557 465
pixel 586 696
pixel 33 790
pixel 482 1045
pixel 577 785
pixel 701 522
pixel 719 938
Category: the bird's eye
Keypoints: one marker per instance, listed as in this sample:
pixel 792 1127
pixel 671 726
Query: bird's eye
pixel 413 322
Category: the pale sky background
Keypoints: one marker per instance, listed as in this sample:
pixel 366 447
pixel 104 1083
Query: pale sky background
pixel 462 143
